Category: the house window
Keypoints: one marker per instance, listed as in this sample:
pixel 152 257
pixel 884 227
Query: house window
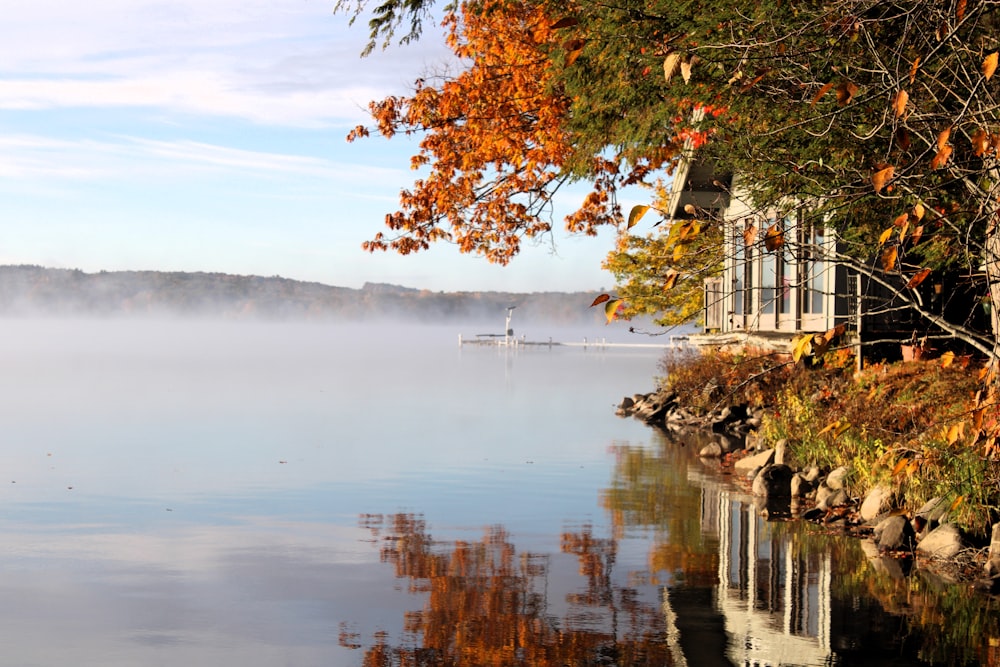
pixel 738 258
pixel 768 280
pixel 813 293
pixel 786 270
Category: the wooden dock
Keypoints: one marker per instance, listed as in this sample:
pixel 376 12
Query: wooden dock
pixel 498 340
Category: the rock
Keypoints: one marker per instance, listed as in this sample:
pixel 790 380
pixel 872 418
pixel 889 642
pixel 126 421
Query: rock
pixel 823 493
pixel 729 443
pixel 945 541
pixel 877 501
pixel 801 486
pixel 992 567
pixel 895 533
pixel 712 450
pixel 811 475
pixel 779 451
pixel 835 480
pixel 627 403
pixel 931 514
pixel 759 460
pixel 838 498
pixel 813 514
pixel 773 481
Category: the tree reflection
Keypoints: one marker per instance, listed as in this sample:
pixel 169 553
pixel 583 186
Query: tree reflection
pixel 487 604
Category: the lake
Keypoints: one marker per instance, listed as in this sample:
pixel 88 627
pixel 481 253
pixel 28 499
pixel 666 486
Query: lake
pixel 302 494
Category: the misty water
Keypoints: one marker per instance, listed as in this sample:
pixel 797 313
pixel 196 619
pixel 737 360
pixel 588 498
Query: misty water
pixel 302 494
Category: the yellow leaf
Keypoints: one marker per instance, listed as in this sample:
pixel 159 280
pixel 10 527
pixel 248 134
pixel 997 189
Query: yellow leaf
pixel 636 214
pixel 774 238
pixel 918 278
pixel 822 91
pixel 918 211
pixel 990 65
pixel 902 232
pixel 679 251
pixel 881 177
pixel 801 347
pixel 955 432
pixel 689 230
pixel 611 309
pixel 947 358
pixel 889 258
pixel 884 236
pixel 600 299
pixel 899 103
pixel 829 427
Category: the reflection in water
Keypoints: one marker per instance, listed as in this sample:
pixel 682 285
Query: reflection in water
pixel 721 586
pixel 487 604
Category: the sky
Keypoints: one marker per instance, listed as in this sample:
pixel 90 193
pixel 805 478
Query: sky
pixel 194 135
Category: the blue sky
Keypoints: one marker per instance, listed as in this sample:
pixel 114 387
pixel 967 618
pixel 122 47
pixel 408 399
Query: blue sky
pixel 208 135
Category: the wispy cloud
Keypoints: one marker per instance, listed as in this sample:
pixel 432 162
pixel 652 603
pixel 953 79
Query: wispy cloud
pixel 265 62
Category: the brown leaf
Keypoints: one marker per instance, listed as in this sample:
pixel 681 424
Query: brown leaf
pixel 990 65
pixel 881 177
pixel 671 65
pixel 918 277
pixel 750 235
pixel 889 258
pixel 960 9
pixel 903 138
pixel 914 68
pixel 845 92
pixel 670 280
pixel 899 103
pixel 941 158
pixel 600 299
pixel 565 22
pixel 901 219
pixel 822 91
pixel 918 233
pixel 774 238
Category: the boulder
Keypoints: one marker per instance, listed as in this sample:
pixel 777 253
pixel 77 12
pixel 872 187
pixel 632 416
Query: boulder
pixel 755 461
pixel 712 450
pixel 801 486
pixel 878 500
pixel 773 481
pixel 992 568
pixel 945 541
pixel 835 480
pixel 894 533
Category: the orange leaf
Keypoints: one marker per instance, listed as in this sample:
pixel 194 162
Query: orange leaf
pixel 913 69
pixel 774 238
pixel 750 235
pixel 898 468
pixel 600 299
pixel 919 277
pixel 822 91
pixel 670 280
pixel 942 139
pixel 941 158
pixel 901 219
pixel 889 258
pixel 990 65
pixel 881 177
pixel 884 236
pixel 636 214
pixel 917 235
pixel 954 505
pixel 960 12
pixel 918 211
pixel 947 358
pixel 981 142
pixel 899 102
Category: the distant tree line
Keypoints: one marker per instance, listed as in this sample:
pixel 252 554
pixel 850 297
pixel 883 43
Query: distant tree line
pixel 35 290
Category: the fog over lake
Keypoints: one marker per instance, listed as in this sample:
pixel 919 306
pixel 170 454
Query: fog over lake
pixel 190 492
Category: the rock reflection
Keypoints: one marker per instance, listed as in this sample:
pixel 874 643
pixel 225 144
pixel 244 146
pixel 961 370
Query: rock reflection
pixel 488 604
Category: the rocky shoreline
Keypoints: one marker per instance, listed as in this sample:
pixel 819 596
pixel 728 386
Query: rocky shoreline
pixel 890 534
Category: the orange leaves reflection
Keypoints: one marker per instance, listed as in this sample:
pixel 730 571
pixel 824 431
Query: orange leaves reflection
pixel 488 604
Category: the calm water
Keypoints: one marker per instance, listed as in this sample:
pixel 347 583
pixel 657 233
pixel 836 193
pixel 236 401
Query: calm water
pixel 206 494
